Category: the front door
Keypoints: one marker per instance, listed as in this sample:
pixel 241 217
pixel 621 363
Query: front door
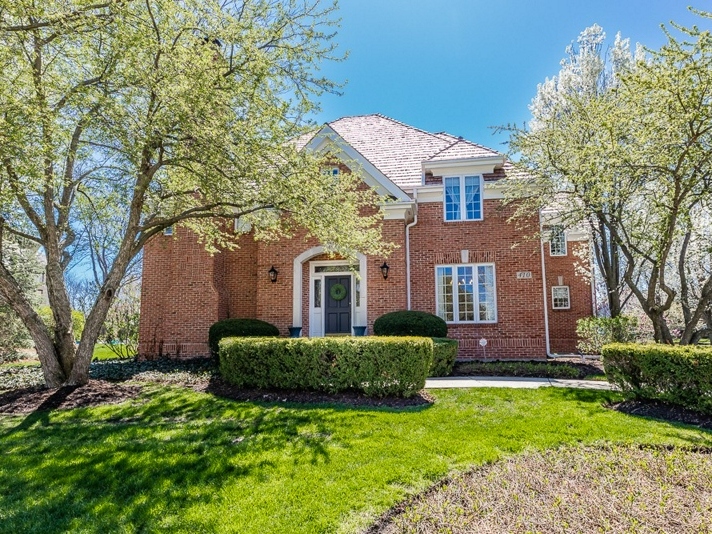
pixel 337 311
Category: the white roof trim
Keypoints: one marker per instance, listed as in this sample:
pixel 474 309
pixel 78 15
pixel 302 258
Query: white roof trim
pixel 328 140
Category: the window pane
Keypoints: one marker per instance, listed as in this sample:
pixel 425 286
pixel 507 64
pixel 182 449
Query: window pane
pixel 445 293
pixel 560 297
pixel 465 294
pixel 317 293
pixel 485 293
pixel 452 199
pixel 335 268
pixel 473 197
pixel 557 241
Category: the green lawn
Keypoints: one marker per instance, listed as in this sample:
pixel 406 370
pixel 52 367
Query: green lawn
pixel 103 352
pixel 181 461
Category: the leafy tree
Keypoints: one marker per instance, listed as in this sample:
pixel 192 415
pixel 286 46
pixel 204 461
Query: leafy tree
pixel 634 161
pixel 136 116
pixel 553 150
pixel 21 260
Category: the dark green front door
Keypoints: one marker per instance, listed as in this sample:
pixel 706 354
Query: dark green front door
pixel 338 310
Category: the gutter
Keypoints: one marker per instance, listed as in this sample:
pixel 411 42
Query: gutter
pixel 546 298
pixel 407 244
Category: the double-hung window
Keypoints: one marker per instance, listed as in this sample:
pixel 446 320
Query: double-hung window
pixel 466 293
pixel 560 297
pixel 557 241
pixel 463 198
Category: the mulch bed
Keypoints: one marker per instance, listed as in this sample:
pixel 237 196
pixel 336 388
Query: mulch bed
pixel 220 388
pixel 100 392
pixel 95 393
pixel 529 368
pixel 667 412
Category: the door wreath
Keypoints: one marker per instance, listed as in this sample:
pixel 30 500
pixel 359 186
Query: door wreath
pixel 337 292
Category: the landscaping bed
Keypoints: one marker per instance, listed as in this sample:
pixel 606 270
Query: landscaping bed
pixel 22 387
pixel 571 368
pixel 613 489
pixel 39 398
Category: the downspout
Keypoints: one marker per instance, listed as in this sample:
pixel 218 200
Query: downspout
pixel 546 298
pixel 407 244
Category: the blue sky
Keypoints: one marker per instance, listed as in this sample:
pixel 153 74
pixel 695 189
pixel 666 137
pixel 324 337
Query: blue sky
pixel 463 66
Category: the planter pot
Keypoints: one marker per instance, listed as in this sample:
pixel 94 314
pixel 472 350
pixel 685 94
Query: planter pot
pixel 359 331
pixel 295 331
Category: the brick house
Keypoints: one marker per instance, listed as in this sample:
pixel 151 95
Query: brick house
pixel 457 257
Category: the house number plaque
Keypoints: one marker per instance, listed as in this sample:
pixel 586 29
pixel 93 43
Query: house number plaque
pixel 524 275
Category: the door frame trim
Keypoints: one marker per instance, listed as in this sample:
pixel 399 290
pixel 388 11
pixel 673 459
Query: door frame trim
pixel 317 317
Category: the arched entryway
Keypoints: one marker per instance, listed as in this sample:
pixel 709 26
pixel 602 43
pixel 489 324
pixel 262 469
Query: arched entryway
pixel 327 315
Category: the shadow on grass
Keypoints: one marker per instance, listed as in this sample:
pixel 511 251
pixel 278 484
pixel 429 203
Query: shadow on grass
pixel 130 463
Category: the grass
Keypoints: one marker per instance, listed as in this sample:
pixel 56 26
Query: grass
pixel 179 461
pixel 103 352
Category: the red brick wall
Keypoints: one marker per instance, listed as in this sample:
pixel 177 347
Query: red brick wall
pixel 562 323
pixel 179 298
pixel 185 289
pixel 519 331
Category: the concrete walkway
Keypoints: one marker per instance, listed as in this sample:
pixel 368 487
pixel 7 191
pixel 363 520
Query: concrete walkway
pixel 512 382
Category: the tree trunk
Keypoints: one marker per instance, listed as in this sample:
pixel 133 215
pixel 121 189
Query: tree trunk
pixel 661 331
pixel 53 373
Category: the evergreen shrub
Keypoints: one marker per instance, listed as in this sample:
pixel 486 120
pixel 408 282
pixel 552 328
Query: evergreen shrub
pixel 668 373
pixel 394 366
pixel 239 328
pixel 410 323
pixel 444 355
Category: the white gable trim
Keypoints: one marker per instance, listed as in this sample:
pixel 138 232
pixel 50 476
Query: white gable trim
pixel 327 140
pixel 485 165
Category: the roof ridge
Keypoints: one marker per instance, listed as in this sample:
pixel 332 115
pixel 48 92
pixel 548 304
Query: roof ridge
pixel 446 148
pixel 409 126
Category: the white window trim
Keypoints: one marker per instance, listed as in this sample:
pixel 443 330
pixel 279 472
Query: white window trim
pixel 476 293
pixel 463 196
pixel 568 294
pixel 316 315
pixel 566 245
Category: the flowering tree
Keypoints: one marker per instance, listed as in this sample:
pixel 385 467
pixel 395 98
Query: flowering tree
pixel 136 116
pixel 553 149
pixel 634 162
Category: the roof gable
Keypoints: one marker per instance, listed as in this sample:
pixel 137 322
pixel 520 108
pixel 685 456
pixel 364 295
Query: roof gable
pixel 396 151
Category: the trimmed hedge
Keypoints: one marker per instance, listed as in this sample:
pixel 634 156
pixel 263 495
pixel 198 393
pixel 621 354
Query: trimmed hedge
pixel 444 354
pixel 674 374
pixel 410 323
pixel 375 366
pixel 239 328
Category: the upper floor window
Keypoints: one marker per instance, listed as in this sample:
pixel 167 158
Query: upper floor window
pixel 560 297
pixel 330 171
pixel 466 293
pixel 463 198
pixel 557 241
pixel 168 230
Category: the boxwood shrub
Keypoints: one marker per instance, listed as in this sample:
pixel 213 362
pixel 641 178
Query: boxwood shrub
pixel 376 366
pixel 239 328
pixel 444 354
pixel 674 374
pixel 410 323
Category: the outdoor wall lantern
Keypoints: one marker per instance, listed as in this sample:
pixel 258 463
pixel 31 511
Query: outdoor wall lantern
pixel 384 270
pixel 273 274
